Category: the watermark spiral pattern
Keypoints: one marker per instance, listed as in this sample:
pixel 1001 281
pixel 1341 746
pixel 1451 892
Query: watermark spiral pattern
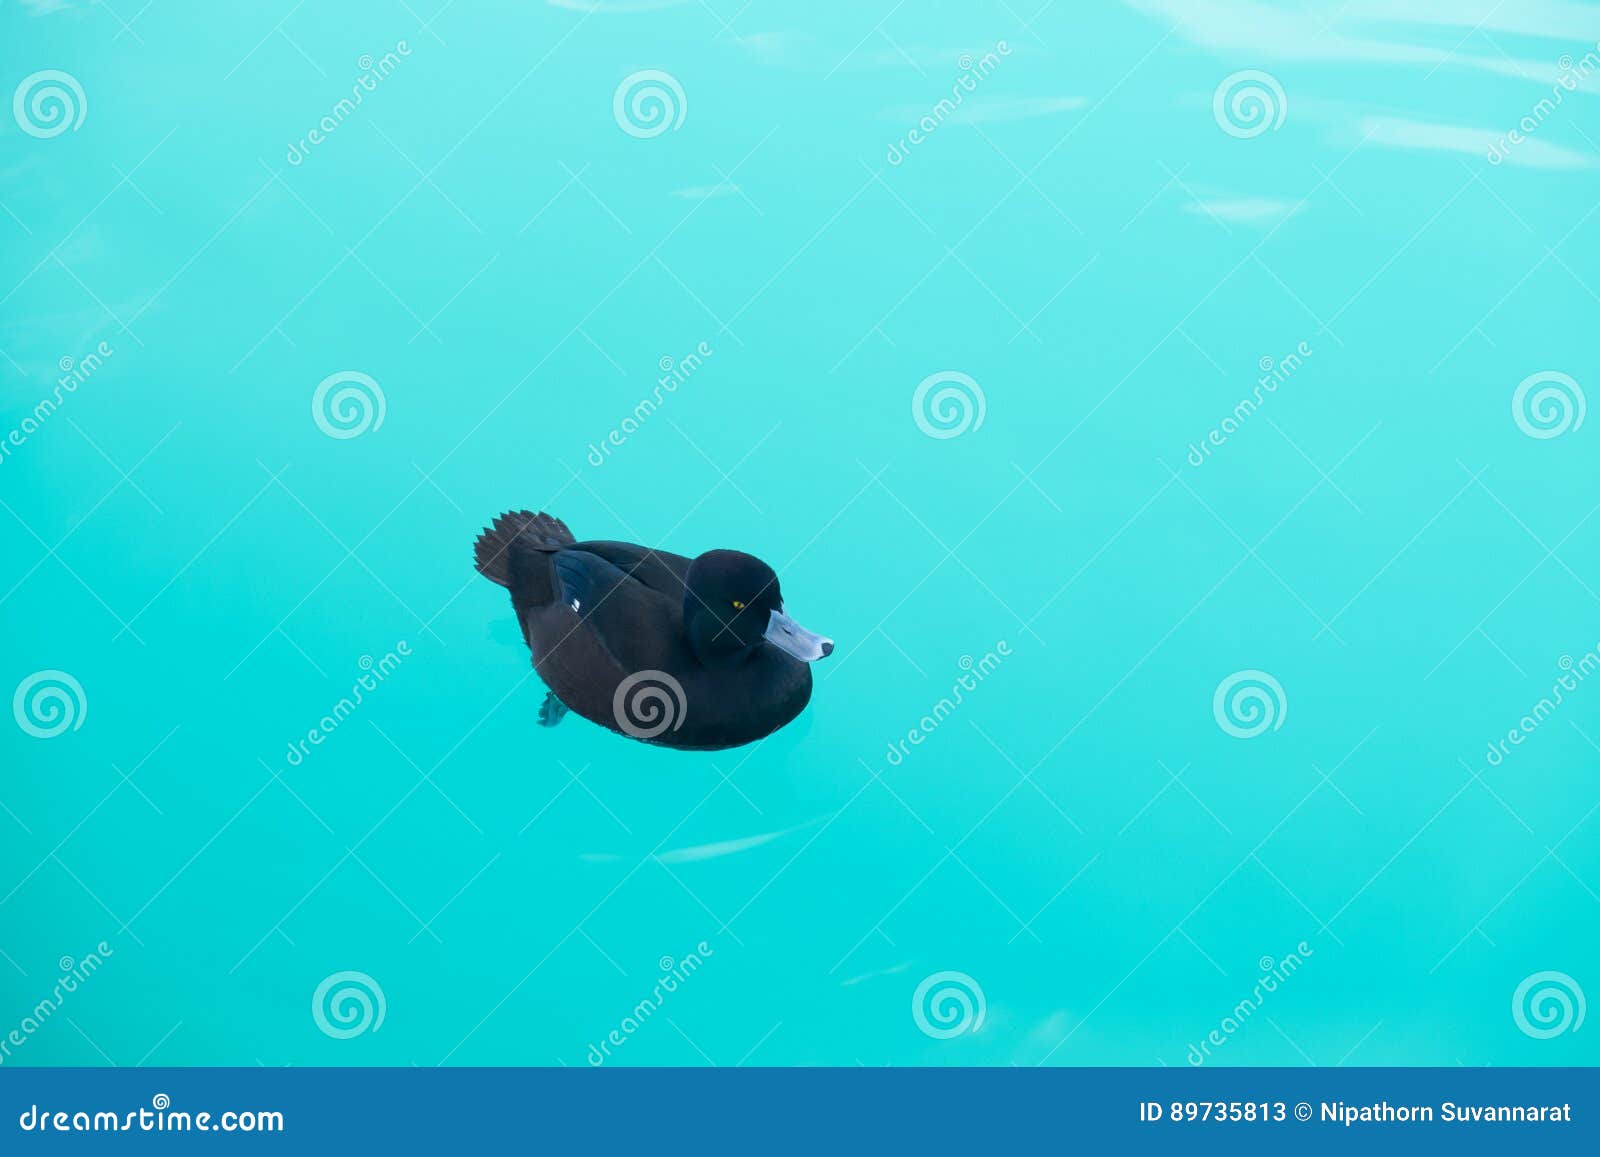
pixel 1248 103
pixel 948 404
pixel 648 704
pixel 1548 404
pixel 1249 703
pixel 1548 1004
pixel 948 1004
pixel 48 103
pixel 348 404
pixel 649 102
pixel 49 703
pixel 347 1004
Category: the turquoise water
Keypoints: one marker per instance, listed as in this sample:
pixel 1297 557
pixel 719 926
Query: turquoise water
pixel 1328 302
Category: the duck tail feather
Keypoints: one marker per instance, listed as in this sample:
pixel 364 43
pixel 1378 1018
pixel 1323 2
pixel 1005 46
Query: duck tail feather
pixel 511 536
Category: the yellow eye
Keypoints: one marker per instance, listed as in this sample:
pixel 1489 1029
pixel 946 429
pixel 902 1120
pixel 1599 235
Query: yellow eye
pixel 737 605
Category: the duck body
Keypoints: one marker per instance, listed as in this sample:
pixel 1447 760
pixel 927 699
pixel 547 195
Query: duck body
pixel 694 654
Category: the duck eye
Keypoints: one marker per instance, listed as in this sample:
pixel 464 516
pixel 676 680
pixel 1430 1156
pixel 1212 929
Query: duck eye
pixel 737 605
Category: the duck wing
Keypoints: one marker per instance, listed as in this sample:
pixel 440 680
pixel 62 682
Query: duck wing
pixel 636 620
pixel 659 570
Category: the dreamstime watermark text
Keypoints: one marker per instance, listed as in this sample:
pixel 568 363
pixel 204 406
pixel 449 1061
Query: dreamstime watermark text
pixel 674 975
pixel 373 673
pixel 973 71
pixel 74 373
pixel 159 1117
pixel 1572 674
pixel 373 72
pixel 1274 373
pixel 973 673
pixel 1274 975
pixel 1573 74
pixel 674 373
pixel 74 974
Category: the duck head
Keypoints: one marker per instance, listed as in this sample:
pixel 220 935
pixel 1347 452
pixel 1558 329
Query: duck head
pixel 733 603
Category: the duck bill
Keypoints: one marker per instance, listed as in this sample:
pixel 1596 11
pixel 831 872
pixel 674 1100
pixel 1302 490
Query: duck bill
pixel 790 637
